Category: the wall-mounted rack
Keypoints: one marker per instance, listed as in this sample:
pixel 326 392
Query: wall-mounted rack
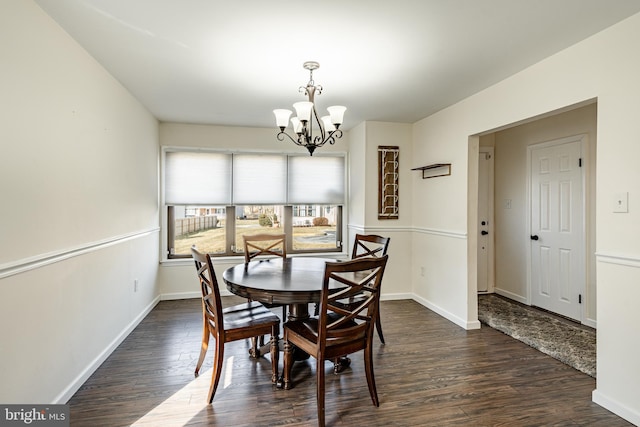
pixel 433 170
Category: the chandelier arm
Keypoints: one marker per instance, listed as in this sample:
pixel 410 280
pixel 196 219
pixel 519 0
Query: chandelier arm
pixel 331 137
pixel 336 134
pixel 320 125
pixel 282 134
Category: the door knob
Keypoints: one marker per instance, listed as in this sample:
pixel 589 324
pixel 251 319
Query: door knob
pixel 534 237
pixel 484 232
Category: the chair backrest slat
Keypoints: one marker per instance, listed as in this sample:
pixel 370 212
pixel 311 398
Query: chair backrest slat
pixel 369 245
pixel 264 244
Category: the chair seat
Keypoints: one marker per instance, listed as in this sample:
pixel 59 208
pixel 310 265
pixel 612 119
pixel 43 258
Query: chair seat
pixel 248 315
pixel 308 330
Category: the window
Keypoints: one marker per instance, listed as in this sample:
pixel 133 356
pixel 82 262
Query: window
pixel 213 198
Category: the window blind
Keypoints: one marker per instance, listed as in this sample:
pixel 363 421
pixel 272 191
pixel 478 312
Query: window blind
pixel 316 179
pixel 223 179
pixel 259 179
pixel 197 178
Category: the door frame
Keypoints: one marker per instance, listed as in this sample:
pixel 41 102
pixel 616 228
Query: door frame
pixel 582 139
pixel 491 270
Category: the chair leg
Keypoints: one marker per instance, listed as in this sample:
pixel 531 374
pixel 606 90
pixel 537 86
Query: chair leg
pixel 371 381
pixel 275 353
pixel 379 329
pixel 203 347
pixel 254 351
pixel 320 390
pixel 340 364
pixel 218 360
pixel 288 364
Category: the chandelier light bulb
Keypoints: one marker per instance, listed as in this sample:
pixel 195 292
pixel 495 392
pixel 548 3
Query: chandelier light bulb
pixel 337 114
pixel 282 118
pixel 328 126
pixel 303 110
pixel 297 125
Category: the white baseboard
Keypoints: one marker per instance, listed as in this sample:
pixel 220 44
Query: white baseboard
pixel 75 385
pixel 474 324
pixel 184 295
pixel 512 296
pixel 616 407
pixel 395 297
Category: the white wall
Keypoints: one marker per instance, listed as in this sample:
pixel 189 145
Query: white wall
pixel 605 67
pixel 78 213
pixel 511 238
pixel 363 173
pixel 439 245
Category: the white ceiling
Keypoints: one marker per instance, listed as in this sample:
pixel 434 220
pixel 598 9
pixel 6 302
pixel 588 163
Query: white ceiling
pixel 232 62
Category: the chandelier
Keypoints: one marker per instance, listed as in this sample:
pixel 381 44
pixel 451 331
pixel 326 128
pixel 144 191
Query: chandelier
pixel 326 127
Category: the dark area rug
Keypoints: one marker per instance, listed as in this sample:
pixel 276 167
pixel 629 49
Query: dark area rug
pixel 572 344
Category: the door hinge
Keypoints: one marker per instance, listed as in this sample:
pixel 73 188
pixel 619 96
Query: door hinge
pixel 580 162
pixel 579 298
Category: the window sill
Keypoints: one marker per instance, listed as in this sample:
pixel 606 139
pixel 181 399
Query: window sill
pixel 179 262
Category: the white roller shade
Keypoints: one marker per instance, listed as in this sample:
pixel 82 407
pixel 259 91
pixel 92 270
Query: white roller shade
pixel 316 179
pixel 259 179
pixel 196 178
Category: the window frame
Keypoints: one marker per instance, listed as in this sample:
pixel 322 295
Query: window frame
pixel 168 217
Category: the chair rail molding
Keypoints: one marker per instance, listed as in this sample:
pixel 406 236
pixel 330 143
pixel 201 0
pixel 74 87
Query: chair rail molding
pixel 39 261
pixel 441 232
pixel 612 258
pixel 363 229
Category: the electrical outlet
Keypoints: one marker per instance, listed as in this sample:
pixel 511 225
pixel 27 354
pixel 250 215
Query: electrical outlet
pixel 422 271
pixel 135 285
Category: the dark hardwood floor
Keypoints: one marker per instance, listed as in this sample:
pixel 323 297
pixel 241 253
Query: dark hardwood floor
pixel 430 373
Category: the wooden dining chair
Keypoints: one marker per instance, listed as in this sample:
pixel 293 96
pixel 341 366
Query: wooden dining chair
pixel 265 244
pixel 270 245
pixel 366 245
pixel 230 324
pixel 338 331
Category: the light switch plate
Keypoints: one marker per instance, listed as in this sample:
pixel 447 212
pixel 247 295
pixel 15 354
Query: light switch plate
pixel 621 202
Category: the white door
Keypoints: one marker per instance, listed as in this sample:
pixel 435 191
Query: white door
pixel 485 220
pixel 557 226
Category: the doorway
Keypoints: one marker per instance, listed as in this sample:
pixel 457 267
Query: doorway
pixel 511 229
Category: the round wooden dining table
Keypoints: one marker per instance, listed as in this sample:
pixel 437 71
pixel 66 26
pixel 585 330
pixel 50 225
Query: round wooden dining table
pixel 294 282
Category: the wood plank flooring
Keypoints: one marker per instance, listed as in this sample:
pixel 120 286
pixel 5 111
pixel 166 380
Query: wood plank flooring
pixel 430 373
